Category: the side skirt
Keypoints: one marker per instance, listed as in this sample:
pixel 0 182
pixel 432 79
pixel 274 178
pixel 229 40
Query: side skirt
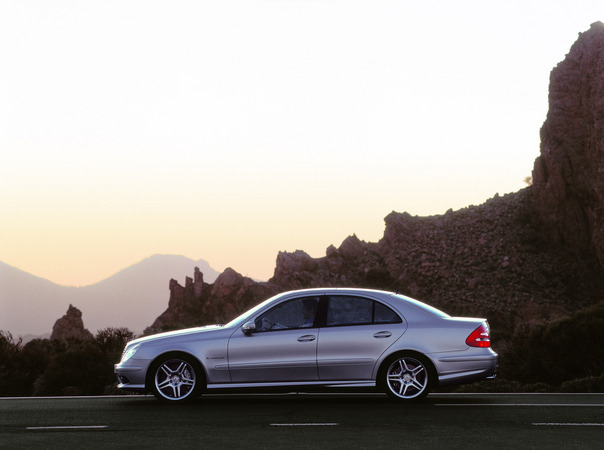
pixel 292 384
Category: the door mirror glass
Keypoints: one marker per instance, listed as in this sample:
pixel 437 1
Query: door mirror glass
pixel 248 327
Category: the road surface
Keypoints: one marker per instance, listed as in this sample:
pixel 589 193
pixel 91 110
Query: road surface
pixel 289 421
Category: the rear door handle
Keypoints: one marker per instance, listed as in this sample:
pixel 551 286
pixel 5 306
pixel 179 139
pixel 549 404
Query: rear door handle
pixel 307 338
pixel 382 334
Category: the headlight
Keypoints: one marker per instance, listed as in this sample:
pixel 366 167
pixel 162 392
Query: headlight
pixel 129 352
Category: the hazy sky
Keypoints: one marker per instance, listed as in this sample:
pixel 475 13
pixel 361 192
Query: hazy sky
pixel 232 130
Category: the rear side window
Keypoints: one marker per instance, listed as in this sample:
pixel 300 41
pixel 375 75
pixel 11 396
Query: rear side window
pixel 383 314
pixel 348 310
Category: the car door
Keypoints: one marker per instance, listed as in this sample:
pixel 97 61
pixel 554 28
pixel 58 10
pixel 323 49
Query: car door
pixel 356 333
pixel 283 347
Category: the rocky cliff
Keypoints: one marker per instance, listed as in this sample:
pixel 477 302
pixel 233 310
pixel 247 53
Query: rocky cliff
pixel 70 326
pixel 568 177
pixel 522 258
pixel 200 303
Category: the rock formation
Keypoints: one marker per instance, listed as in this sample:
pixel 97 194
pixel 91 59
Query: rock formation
pixel 199 303
pixel 522 258
pixel 568 177
pixel 70 326
pixel 184 302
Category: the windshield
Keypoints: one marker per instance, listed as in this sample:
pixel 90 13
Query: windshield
pixel 250 312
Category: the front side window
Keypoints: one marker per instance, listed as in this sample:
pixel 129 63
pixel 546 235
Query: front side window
pixel 349 310
pixel 292 314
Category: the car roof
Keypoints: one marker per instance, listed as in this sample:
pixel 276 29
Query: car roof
pixel 394 298
pixel 339 290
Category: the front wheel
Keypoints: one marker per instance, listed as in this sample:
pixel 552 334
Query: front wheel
pixel 176 378
pixel 407 377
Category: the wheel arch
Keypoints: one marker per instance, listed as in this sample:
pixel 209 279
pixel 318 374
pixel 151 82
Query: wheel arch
pixel 406 352
pixel 174 354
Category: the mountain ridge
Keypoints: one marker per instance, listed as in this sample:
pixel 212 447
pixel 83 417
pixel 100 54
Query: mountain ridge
pixel 132 297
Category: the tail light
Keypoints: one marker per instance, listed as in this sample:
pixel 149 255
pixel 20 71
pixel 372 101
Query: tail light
pixel 480 337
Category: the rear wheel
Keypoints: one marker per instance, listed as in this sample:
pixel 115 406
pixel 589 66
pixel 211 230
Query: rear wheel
pixel 407 377
pixel 176 378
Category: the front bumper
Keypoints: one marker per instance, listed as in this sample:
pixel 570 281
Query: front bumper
pixel 130 377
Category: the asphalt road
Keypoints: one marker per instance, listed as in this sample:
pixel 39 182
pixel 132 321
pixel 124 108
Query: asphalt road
pixel 307 421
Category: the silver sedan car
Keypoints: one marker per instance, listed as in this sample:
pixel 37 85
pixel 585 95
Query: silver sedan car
pixel 315 339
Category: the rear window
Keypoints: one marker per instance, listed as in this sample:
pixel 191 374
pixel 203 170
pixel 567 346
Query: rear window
pixel 350 310
pixel 425 307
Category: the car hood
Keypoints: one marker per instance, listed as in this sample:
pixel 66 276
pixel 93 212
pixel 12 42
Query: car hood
pixel 178 333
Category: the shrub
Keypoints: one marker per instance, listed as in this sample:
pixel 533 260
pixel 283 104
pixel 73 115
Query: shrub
pixel 587 384
pixel 80 370
pixel 561 350
pixel 9 355
pixel 112 342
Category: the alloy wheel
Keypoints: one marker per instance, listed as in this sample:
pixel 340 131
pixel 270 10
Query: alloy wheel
pixel 175 379
pixel 407 378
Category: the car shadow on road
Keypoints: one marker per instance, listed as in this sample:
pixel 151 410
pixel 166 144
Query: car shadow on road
pixel 298 399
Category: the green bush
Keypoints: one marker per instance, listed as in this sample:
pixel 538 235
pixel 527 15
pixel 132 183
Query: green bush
pixel 55 367
pixel 112 342
pixel 587 384
pixel 80 370
pixel 9 369
pixel 559 351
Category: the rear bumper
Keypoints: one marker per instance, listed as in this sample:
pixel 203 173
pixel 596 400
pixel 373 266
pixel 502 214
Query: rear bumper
pixel 467 368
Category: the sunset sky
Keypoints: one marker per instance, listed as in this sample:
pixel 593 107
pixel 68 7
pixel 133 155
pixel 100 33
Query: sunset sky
pixel 232 130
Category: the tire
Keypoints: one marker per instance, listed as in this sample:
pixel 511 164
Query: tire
pixel 407 377
pixel 177 378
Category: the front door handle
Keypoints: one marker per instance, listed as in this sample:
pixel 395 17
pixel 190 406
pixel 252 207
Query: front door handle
pixel 307 338
pixel 382 334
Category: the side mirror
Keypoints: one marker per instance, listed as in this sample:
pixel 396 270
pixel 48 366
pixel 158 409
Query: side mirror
pixel 248 327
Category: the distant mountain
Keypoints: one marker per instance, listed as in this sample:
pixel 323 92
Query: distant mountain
pixel 131 298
